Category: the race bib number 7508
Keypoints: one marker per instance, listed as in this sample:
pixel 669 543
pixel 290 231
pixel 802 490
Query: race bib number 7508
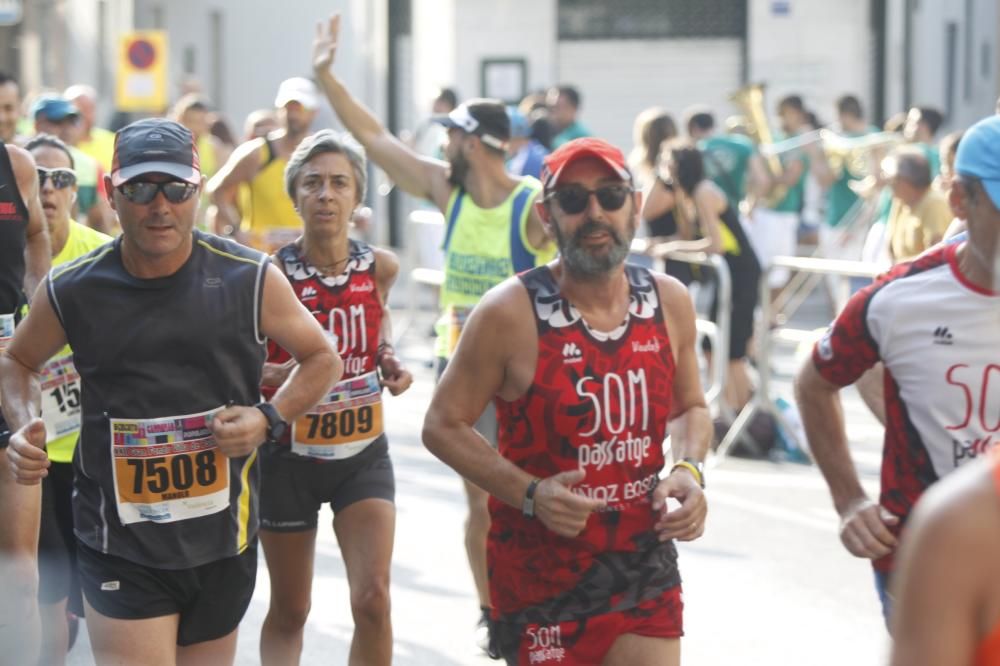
pixel 168 469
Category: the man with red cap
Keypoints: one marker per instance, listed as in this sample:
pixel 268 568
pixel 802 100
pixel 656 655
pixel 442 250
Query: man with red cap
pixel 588 361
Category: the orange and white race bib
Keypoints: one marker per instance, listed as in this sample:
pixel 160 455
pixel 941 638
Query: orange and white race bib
pixel 347 421
pixel 168 469
pixel 61 409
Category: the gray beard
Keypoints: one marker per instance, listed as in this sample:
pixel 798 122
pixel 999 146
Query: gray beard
pixel 582 264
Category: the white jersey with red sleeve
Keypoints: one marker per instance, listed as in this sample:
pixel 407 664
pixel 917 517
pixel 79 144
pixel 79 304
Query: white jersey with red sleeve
pixel 939 338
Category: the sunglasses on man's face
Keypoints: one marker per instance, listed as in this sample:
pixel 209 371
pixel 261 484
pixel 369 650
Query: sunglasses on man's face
pixel 573 199
pixel 61 178
pixel 143 192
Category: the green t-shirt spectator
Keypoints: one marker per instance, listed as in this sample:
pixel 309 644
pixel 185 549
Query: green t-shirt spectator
pixel 841 196
pixel 727 159
pixel 574 131
pixel 933 156
pixel 792 203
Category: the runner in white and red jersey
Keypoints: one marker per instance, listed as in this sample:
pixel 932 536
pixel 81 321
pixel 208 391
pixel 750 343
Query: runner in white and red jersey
pixel 588 362
pixel 336 453
pixel 933 322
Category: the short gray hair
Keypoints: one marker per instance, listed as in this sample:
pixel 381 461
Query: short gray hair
pixel 327 141
pixel 913 167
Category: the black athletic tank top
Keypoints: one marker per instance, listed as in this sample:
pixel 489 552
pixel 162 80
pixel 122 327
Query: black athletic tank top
pixel 156 357
pixel 665 224
pixel 13 227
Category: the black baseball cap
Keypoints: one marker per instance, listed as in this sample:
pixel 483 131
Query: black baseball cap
pixel 485 118
pixel 155 145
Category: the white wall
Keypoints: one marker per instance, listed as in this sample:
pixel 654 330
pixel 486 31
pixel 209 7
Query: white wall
pixel 929 59
pixel 263 43
pixel 820 50
pixel 619 78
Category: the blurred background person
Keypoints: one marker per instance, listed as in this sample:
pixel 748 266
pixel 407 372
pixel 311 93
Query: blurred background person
pixel 564 109
pixel 94 141
pixel 269 220
pixel 650 130
pixel 55 115
pixel 919 215
pixel 526 153
pixel 717 230
pixel 921 126
pixel 10 110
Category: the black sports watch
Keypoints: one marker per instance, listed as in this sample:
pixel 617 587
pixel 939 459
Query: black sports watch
pixel 276 427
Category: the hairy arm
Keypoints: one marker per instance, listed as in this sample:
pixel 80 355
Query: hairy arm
pixel 420 176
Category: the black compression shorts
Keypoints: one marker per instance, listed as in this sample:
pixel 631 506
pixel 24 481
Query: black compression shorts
pixel 293 488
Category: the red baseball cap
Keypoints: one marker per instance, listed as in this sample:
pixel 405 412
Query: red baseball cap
pixel 557 161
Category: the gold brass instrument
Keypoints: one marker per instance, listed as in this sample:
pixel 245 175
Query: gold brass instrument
pixel 750 100
pixel 842 152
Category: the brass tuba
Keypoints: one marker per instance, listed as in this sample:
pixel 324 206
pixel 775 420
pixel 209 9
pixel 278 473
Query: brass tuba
pixel 750 100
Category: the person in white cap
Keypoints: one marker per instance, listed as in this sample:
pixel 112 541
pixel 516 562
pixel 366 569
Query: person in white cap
pixel 266 218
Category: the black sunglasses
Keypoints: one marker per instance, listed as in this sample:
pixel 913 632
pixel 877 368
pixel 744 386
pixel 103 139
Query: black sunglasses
pixel 61 178
pixel 573 199
pixel 142 192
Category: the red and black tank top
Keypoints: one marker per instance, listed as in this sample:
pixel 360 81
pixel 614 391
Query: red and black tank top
pixel 599 402
pixel 13 227
pixel 347 306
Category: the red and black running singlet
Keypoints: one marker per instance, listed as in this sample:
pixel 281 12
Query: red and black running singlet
pixel 347 306
pixel 599 402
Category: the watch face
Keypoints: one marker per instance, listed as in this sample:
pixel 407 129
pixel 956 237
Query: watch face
pixel 278 430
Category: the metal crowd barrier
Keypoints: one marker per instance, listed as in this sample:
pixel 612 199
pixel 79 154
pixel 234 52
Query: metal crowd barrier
pixel 421 275
pixel 761 401
pixel 718 334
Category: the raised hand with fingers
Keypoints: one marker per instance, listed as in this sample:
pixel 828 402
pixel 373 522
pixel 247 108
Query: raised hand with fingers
pixel 325 43
pixel 559 508
pixel 26 453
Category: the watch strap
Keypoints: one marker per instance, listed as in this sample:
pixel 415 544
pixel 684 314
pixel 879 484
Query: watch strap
pixel 528 505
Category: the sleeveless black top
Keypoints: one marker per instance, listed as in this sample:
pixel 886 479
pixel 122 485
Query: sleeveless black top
pixel 13 227
pixel 154 355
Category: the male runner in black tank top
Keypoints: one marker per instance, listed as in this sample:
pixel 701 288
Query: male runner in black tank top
pixel 167 327
pixel 24 259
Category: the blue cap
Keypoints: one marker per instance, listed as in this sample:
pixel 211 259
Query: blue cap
pixel 53 107
pixel 519 125
pixel 979 155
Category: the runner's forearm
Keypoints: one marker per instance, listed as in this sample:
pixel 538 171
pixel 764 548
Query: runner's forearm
pixel 691 434
pixel 823 418
pixel 459 446
pixel 20 392
pixel 308 383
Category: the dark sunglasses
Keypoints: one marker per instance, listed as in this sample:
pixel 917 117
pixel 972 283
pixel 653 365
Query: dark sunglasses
pixel 61 178
pixel 573 199
pixel 141 192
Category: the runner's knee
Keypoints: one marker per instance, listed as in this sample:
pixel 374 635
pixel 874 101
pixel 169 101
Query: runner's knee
pixel 370 603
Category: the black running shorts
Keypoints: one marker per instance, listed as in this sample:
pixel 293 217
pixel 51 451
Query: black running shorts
pixel 210 599
pixel 293 488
